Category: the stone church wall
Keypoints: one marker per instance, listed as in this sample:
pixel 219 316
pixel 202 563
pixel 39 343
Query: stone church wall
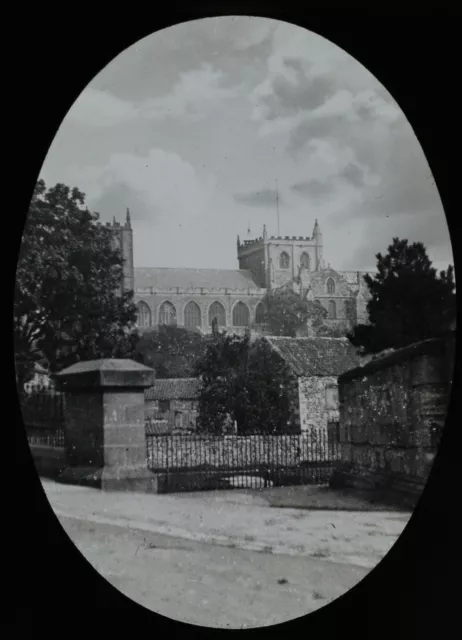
pixel 204 298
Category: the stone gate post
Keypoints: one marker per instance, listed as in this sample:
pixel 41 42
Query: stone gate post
pixel 104 425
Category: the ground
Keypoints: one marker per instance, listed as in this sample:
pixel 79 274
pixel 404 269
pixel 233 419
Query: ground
pixel 264 564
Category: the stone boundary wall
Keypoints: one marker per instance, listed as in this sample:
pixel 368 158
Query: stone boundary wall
pixel 392 413
pixel 228 452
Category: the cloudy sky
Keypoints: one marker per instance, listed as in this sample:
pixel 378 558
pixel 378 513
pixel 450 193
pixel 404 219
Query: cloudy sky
pixel 194 127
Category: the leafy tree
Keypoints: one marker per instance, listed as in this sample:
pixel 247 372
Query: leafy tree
pixel 289 314
pixel 222 370
pixel 245 382
pixel 269 381
pixel 68 301
pixel 317 321
pixel 171 351
pixel 286 312
pixel 409 301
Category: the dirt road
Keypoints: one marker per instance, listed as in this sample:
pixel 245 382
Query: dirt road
pixel 209 585
pixel 223 559
pixel 238 520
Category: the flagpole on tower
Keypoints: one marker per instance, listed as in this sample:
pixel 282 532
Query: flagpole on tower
pixel 277 206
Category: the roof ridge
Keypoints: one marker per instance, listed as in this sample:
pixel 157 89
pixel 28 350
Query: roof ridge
pixel 343 338
pixel 175 379
pixel 191 269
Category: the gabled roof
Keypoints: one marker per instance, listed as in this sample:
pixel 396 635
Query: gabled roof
pixel 166 278
pixel 316 356
pixel 174 389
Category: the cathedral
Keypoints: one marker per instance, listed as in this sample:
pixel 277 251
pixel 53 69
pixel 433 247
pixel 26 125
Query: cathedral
pixel 194 298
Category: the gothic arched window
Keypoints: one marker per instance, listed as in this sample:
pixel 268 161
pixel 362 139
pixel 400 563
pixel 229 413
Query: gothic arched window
pixel 305 261
pixel 332 310
pixel 347 308
pixel 167 314
pixel 330 286
pixel 192 315
pixel 217 311
pixel 241 315
pixel 284 260
pixel 260 313
pixel 143 315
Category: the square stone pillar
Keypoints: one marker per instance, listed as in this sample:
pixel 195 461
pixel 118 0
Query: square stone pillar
pixel 104 425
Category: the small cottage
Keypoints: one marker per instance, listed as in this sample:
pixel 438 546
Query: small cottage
pixel 174 402
pixel 316 364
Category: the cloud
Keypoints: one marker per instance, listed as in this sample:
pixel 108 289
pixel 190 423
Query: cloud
pixel 195 94
pixel 361 158
pixel 263 198
pixel 289 92
pixel 354 174
pixel 116 197
pixel 250 33
pixel 313 188
pixel 160 185
pixel 327 160
pixel 428 228
pixel 96 108
pixel 237 46
pixel 310 80
pixel 254 100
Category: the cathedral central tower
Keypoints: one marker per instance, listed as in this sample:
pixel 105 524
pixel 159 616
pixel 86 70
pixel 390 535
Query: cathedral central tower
pixel 276 260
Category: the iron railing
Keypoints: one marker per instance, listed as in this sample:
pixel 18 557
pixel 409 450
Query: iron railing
pixel 43 416
pixel 214 461
pixel 45 437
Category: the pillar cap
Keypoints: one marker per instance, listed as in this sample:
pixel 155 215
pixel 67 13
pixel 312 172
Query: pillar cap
pixel 104 373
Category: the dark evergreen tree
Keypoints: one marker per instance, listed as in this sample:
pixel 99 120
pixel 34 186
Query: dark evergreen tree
pixel 409 301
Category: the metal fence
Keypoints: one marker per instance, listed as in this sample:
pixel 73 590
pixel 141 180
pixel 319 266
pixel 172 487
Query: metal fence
pixel 43 416
pixel 197 462
pixel 45 437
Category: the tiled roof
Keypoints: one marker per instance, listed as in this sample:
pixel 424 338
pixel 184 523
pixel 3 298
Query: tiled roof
pixel 166 278
pixel 173 389
pixel 105 364
pixel 316 356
